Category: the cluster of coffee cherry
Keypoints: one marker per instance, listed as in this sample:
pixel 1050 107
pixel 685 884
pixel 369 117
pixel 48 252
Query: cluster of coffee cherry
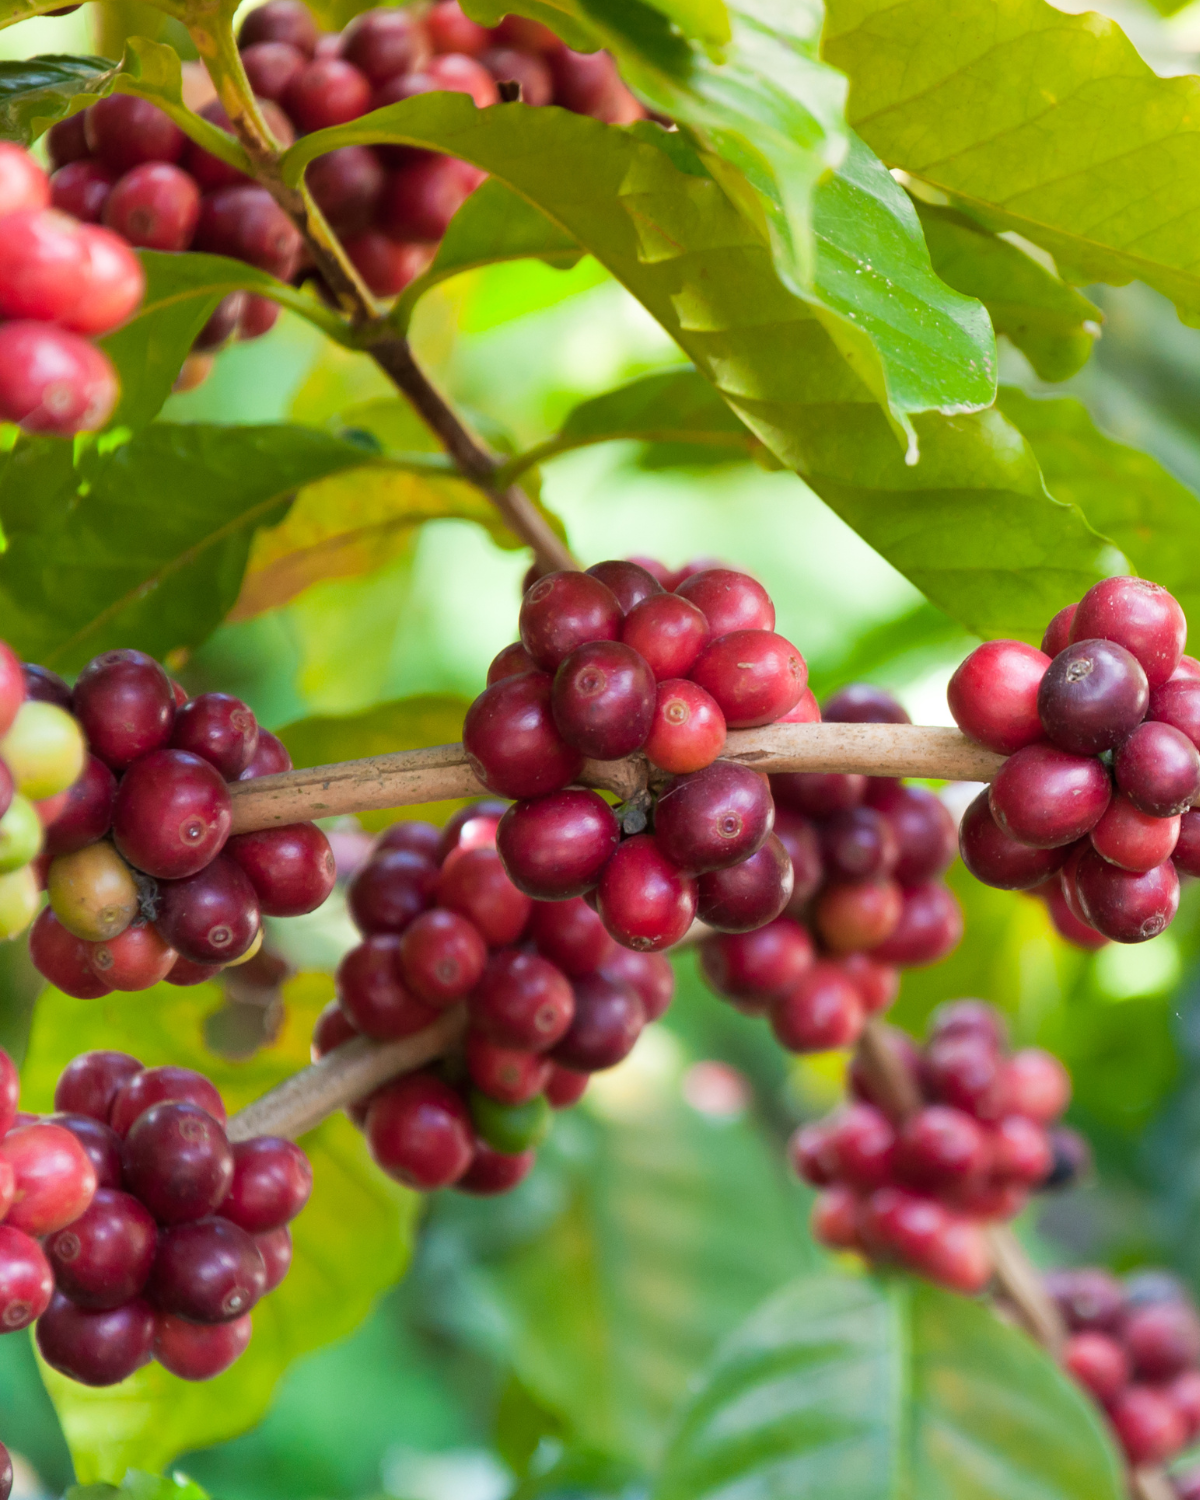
pixel 157 1235
pixel 61 283
pixel 144 881
pixel 866 856
pixel 1092 808
pixel 1135 1347
pixel 916 1186
pixel 609 663
pixel 550 999
pixel 124 163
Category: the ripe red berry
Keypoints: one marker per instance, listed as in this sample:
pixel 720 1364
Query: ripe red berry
pixel 895 1223
pixel 863 703
pixel 391 889
pixel 1021 1151
pixel 246 223
pixel 172 814
pixel 650 975
pixel 799 837
pixel 1036 1085
pixel 835 1219
pixel 755 676
pixel 113 283
pixel 749 894
pixel 823 1010
pixel 87 814
pixel 1132 839
pixel 1125 905
pixel 125 706
pixel 1158 768
pixel 103 1259
pixel 457 75
pixel 993 695
pixel 101 1145
pixel 96 1348
pixel 210 917
pixel 64 959
pixel 930 927
pixel 629 581
pixel 22 182
pixel 508 1074
pixel 441 957
pixel 570 935
pixel 877 984
pixel 511 740
pixel 1149 1427
pixel 818 794
pixel 958 1257
pixel 451 31
pixel 347 185
pixel 1092 695
pixel 419 1132
pixel 90 1082
pixel 565 1087
pixel 998 860
pixel 603 700
pixel 155 205
pixel 1058 632
pixel 288 21
pixel 687 728
pixel 645 900
pixel 940 1147
pixel 475 885
pixel 418 200
pixel 124 132
pixel 714 818
pixel 292 868
pixel 511 662
pixel 135 959
pixel 412 834
pixel 386 265
pixel 177 1161
pixel 859 914
pixel 607 1022
pixel 270 758
pixel 1087 1297
pixel 924 831
pixel 26 1280
pixel 563 611
pixel 53 381
pixel 272 1181
pixel 1098 1363
pixel 43 265
pixel 729 600
pixel 757 967
pixel 1140 616
pixel 1186 854
pixel 327 91
pixel 1162 1338
pixel 668 632
pixel 220 729
pixel 858 1147
pixel 471 827
pixel 494 1171
pixel 153 1086
pixel 522 1001
pixel 373 994
pixel 185 972
pixel 967 1071
pixel 1046 797
pixel 333 1027
pixel 589 84
pixel 54 1177
pixel 10 1087
pixel 1177 702
pixel 270 67
pixel 80 189
pixel 556 846
pixel 1184 1392
pixel 383 43
pixel 858 844
pixel 198 1351
pixel 208 1271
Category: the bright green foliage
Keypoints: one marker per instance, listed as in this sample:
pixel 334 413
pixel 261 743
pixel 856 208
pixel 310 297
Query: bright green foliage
pixel 138 1485
pixel 1045 123
pixel 855 1388
pixel 1052 324
pixel 42 87
pixel 351 1242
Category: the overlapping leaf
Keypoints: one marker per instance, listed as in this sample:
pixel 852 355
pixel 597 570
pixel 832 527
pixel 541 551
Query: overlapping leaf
pixel 41 88
pixel 971 523
pixel 1045 123
pixel 351 1242
pixel 856 1389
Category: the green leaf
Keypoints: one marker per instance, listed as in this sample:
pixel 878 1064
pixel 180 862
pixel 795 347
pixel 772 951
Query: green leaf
pixel 1051 323
pixel 971 524
pixel 853 1388
pixel 1045 123
pixel 182 292
pixel 351 1242
pixel 1123 492
pixel 138 1485
pixel 143 543
pixel 41 88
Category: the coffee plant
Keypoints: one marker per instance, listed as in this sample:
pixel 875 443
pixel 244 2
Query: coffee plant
pixel 599 781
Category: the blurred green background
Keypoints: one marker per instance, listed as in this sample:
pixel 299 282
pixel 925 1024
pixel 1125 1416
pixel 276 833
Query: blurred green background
pixel 539 1343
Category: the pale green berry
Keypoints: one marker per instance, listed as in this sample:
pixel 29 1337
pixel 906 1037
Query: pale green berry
pixel 20 835
pixel 44 750
pixel 19 900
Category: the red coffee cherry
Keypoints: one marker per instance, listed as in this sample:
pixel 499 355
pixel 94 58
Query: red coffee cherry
pixel 714 818
pixel 113 283
pixel 509 1074
pixel 96 1348
pixel 513 661
pixel 159 1085
pixel 292 869
pixel 185 972
pixel 1098 1363
pixel 940 1147
pixel 450 30
pixel 373 994
pixel 155 205
pixel 65 142
pixel 476 887
pixel 419 1132
pixel 101 1145
pixel 607 1022
pixel 556 846
pixel 729 600
pixel 589 84
pixel 386 265
pixel 64 959
pixel 1186 854
pixel 754 675
pixel 209 1271
pixel 220 729
pixel 757 967
pixel 270 67
pixel 53 381
pixel 135 959
pixel 853 915
pixel 441 957
pixel 196 1351
pixel 998 860
pixel 272 1181
pixel 1058 632
pixel 799 837
pixel 125 706
pixel 822 1011
pixel 177 1161
pixel 26 1280
pixel 81 189
pixel 930 927
pixel 1086 1297
pixel 649 974
pixel 269 759
pixel 958 1257
pixel 172 814
pixel 563 611
pixel 1092 695
pixel 668 632
pixel 511 740
pixel 565 1087
pixel 1177 702
pixel 834 1219
pixel 1045 797
pixel 493 1172
pixel 327 91
pixel 382 43
pixel 54 1177
pixel 522 1001
pixel 809 1154
pixel 288 21
pixel 471 827
pixel 453 74
pixel 333 1027
pixel 210 917
pixel 22 182
pixel 863 703
pixel 603 700
pixel 970 1018
pixel 645 900
pixel 1162 1338
pixel 124 132
pixel 1132 839
pixel 90 1082
pixel 924 831
pixel 993 695
pixel 1158 768
pixel 412 834
pixel 967 1071
pixel 347 185
pixel 1126 906
pixel 877 984
pixel 103 1259
pixel 245 223
pixel 1021 1151
pixel 570 935
pixel 1184 1392
pixel 417 201
pixel 392 888
pixel 1149 1427
pixel 87 814
pixel 275 1247
pixel 746 896
pixel 628 580
pixel 1140 616
pixel 687 728
pixel 818 794
pixel 858 844
pixel 858 1146
pixel 1036 1085
pixel 532 74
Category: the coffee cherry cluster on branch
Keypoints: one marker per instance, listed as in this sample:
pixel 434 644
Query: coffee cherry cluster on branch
pixel 145 882
pixel 133 1229
pixel 1092 810
pixel 866 856
pixel 61 284
pixel 917 1188
pixel 1135 1347
pixel 550 999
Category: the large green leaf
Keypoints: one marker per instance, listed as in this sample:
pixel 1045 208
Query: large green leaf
pixel 1045 123
pixel 971 523
pixel 1124 493
pixel 138 1485
pixel 1052 324
pixel 853 1388
pixel 42 87
pixel 142 543
pixel 351 1242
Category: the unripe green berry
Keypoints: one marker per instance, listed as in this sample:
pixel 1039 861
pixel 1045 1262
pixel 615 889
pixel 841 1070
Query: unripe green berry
pixel 19 901
pixel 20 835
pixel 510 1128
pixel 44 750
pixel 92 892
